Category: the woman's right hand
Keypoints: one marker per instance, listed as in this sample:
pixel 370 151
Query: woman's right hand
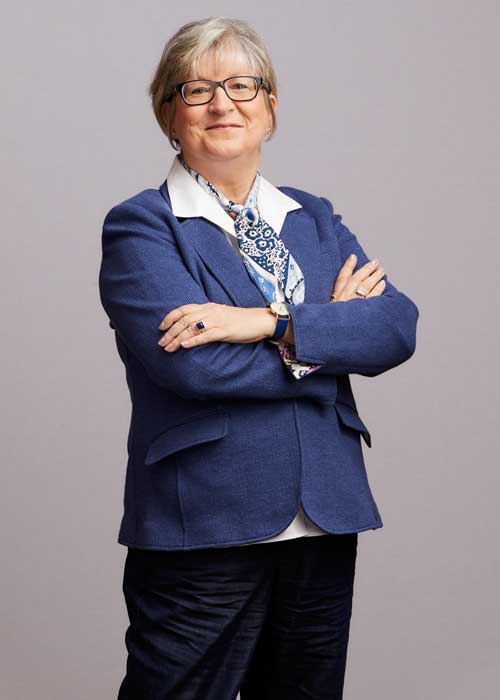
pixel 368 277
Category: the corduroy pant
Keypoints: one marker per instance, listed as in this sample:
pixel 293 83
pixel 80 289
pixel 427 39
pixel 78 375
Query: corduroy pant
pixel 270 620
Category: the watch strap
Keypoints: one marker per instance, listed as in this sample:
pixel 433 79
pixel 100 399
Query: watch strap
pixel 281 326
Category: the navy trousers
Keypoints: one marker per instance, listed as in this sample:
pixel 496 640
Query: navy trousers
pixel 269 620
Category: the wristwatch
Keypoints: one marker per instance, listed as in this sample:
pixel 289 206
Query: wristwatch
pixel 280 310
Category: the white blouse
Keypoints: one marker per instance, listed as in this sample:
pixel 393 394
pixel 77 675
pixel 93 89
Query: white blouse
pixel 189 199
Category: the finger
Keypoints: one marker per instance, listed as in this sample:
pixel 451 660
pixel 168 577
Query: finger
pixel 206 336
pixel 185 329
pixel 366 270
pixel 351 261
pixel 189 331
pixel 177 313
pixel 344 274
pixel 377 290
pixel 174 331
pixel 183 317
pixel 360 277
pixel 171 317
pixel 370 282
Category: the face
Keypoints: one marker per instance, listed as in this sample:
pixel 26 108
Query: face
pixel 193 124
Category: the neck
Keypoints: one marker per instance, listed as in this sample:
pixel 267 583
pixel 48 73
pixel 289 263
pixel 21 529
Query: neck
pixel 234 177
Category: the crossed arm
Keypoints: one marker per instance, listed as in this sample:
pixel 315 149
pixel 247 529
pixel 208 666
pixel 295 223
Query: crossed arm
pixel 143 277
pixel 360 336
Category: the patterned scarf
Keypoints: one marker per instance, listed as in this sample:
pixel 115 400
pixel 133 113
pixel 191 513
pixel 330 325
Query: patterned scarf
pixel 269 263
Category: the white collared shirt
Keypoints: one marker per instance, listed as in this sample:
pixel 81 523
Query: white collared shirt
pixel 189 199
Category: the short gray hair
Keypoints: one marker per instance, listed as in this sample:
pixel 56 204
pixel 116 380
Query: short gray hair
pixel 187 48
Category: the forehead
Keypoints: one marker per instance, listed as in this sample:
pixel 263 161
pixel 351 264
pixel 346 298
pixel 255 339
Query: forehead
pixel 226 61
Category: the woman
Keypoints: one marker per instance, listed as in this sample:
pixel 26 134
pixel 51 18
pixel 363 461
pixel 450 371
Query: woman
pixel 228 300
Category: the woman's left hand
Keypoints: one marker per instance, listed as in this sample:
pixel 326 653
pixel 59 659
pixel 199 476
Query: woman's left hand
pixel 231 324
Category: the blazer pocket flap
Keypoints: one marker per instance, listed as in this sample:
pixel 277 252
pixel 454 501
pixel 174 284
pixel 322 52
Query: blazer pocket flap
pixel 351 419
pixel 199 428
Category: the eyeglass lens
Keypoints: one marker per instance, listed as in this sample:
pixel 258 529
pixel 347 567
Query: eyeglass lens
pixel 238 88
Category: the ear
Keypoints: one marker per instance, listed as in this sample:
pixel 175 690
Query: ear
pixel 272 102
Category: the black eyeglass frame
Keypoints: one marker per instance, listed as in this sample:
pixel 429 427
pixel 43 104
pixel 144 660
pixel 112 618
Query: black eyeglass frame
pixel 261 82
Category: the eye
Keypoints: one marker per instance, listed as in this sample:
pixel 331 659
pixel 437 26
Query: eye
pixel 199 90
pixel 240 84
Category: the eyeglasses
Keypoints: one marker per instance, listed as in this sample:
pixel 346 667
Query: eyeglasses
pixel 240 88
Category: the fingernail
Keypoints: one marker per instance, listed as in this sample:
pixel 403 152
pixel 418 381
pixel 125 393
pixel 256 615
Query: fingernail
pixel 161 326
pixel 352 256
pixel 374 261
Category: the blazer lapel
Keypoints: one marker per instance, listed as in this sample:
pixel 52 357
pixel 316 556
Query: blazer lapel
pixel 300 236
pixel 218 255
pixel 223 262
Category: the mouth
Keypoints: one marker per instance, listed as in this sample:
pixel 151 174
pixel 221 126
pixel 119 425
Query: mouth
pixel 223 126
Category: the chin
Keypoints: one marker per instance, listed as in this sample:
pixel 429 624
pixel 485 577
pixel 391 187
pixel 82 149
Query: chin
pixel 226 150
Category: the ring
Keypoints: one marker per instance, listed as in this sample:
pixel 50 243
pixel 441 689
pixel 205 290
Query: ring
pixel 361 292
pixel 200 325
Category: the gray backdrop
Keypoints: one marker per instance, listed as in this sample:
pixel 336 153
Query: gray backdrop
pixel 391 110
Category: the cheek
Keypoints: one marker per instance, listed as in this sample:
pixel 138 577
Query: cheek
pixel 191 127
pixel 260 115
pixel 256 119
pixel 188 122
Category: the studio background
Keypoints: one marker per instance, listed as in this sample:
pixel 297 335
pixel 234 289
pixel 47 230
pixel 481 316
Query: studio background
pixel 389 109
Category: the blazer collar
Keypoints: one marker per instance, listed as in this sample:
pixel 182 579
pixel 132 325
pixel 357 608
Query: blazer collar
pixel 189 200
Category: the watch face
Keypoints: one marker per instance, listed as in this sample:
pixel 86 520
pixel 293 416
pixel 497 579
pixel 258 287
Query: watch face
pixel 280 308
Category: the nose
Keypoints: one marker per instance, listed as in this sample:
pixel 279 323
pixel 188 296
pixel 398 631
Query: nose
pixel 220 99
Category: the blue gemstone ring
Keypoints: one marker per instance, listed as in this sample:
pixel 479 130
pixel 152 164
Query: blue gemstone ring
pixel 200 325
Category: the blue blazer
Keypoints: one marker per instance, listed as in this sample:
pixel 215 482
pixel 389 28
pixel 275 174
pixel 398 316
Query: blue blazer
pixel 224 443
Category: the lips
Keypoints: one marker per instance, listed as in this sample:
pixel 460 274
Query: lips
pixel 224 126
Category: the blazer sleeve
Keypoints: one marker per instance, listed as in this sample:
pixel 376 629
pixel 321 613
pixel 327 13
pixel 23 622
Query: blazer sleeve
pixel 142 278
pixel 358 336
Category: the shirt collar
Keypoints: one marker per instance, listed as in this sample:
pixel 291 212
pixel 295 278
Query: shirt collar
pixel 189 199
